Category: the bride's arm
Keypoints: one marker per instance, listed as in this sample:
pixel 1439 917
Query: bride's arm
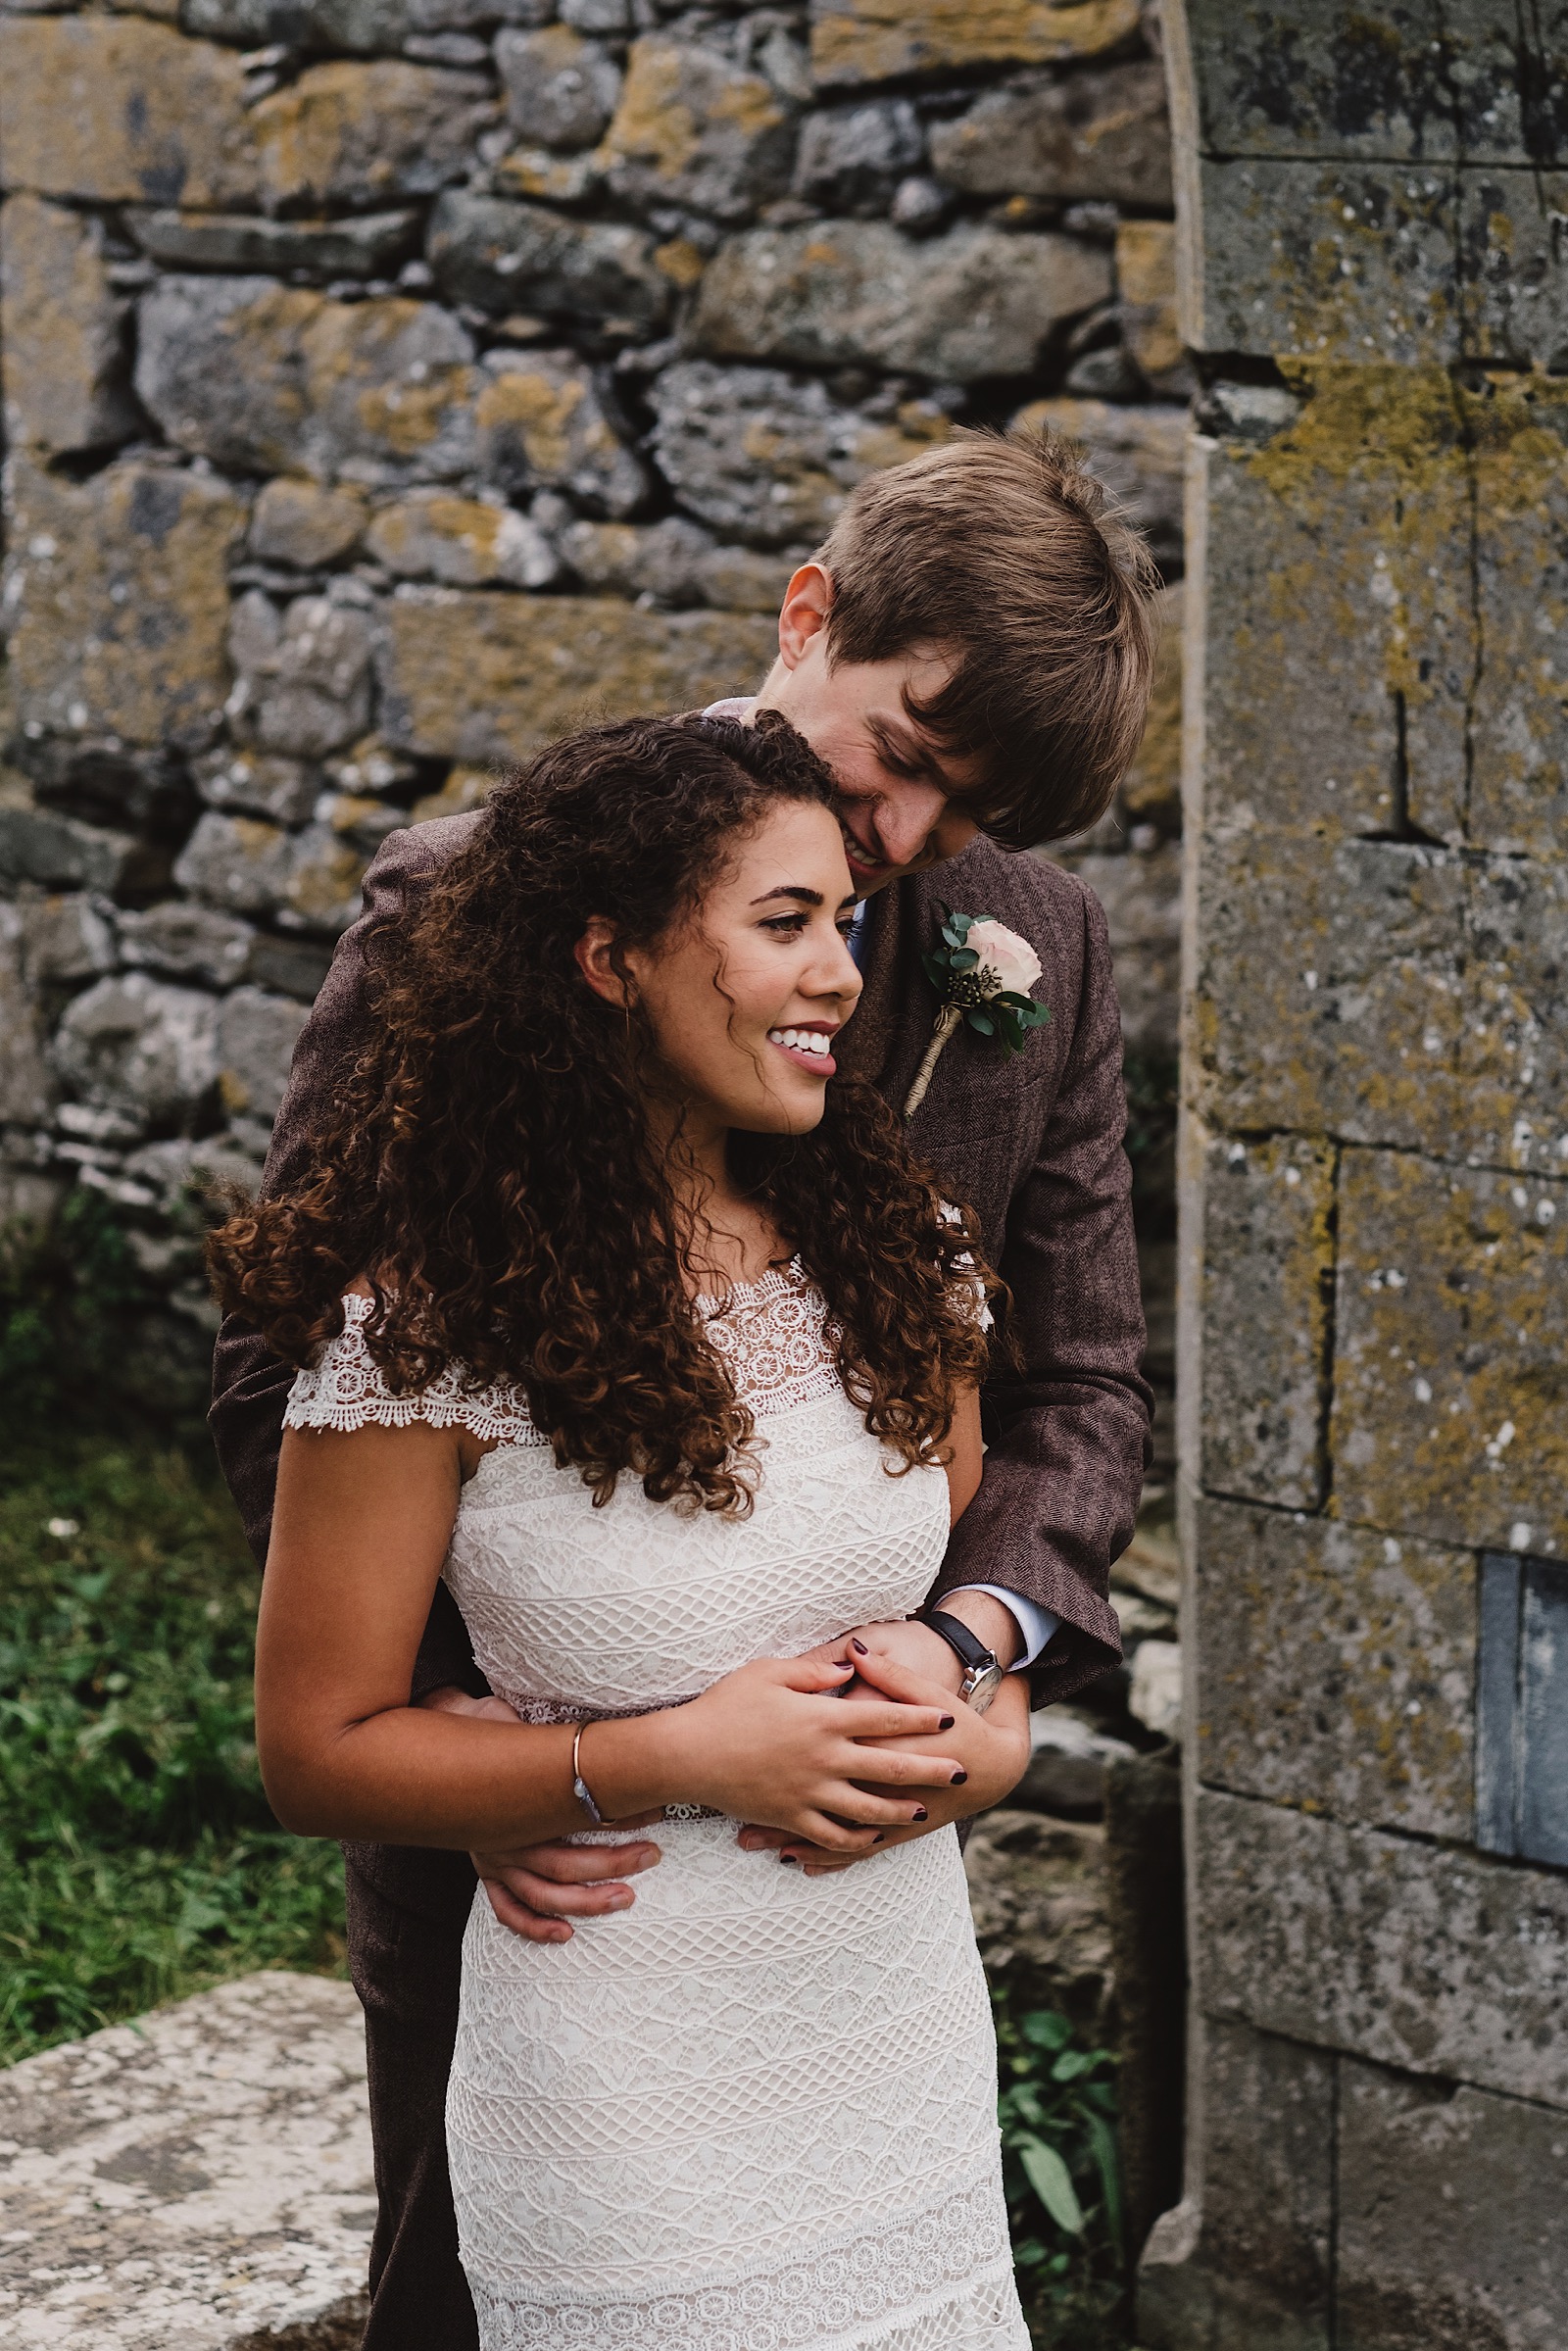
pixel 361 1525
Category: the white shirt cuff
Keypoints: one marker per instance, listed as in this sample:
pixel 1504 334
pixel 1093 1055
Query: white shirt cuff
pixel 1035 1623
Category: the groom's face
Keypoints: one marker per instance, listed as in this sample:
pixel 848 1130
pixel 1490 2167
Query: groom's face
pixel 901 793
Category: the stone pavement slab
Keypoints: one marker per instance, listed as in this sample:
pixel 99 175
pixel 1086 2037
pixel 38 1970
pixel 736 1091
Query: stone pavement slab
pixel 197 2181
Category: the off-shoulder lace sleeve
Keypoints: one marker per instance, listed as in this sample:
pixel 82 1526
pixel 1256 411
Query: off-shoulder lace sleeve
pixel 346 1390
pixel 967 1287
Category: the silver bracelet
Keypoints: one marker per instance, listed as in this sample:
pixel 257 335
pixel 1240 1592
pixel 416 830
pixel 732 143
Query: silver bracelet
pixel 579 1785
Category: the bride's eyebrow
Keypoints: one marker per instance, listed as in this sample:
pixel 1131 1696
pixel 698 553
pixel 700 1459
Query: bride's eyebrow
pixel 802 898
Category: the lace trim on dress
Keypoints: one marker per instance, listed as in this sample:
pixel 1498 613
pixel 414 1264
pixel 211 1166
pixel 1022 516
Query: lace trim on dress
pixel 346 1390
pixel 775 1338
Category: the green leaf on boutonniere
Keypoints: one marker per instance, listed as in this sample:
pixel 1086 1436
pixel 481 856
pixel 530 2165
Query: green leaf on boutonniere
pixel 983 1022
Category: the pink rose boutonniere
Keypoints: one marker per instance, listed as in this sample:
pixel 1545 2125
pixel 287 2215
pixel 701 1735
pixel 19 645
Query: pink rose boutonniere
pixel 983 973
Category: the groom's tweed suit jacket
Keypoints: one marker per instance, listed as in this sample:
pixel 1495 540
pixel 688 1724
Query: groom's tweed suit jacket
pixel 1033 1145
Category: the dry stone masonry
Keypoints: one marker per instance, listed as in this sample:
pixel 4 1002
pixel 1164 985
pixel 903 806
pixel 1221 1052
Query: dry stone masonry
pixel 391 383
pixel 1374 1472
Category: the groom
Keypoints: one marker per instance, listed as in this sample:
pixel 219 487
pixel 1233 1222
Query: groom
pixel 970 655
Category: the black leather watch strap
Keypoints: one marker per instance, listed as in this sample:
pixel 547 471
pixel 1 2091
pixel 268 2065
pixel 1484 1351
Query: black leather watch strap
pixel 970 1649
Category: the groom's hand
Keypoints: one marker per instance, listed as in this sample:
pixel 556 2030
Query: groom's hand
pixel 536 1889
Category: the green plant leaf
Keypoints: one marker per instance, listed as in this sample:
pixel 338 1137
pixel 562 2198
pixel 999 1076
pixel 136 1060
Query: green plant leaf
pixel 963 958
pixel 1051 2183
pixel 1108 2162
pixel 1071 2063
pixel 981 1022
pixel 1046 2029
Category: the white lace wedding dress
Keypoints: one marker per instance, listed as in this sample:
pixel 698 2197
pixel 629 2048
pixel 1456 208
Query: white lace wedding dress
pixel 757 2112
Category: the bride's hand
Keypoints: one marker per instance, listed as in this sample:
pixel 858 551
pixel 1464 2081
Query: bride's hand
pixel 775 1743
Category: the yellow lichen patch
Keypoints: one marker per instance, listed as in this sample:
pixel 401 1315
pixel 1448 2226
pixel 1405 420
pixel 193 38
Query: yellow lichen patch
pixel 653 123
pixel 679 261
pixel 874 40
pixel 542 411
pixel 465 788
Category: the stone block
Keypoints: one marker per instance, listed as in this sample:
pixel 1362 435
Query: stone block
pixel 1329 992
pixel 256 783
pixel 26 1082
pixel 268 378
pixel 1037 1896
pixel 116 595
pixel 1142 898
pixel 1094 136
pixel 754 451
pixel 361 26
pixel 1152 788
pixel 1349 262
pixel 1244 2264
pixel 109 782
pixel 881 40
pixel 1337 1669
pixel 240 864
pixel 1518 800
pixel 1438 1961
pixel 1451 1320
pixel 347 133
pixel 1513 1057
pixel 507 256
pixel 692 128
pixel 1138 453
pixel 140 1047
pixel 480 677
pixel 1303 79
pixel 201 2176
pixel 256 1034
pixel 305 691
pixel 973 303
pixel 1268 1266
pixel 1340 645
pixel 62 330
pixel 66 938
pixel 183 942
pixel 1146 288
pixel 300 522
pixel 462 541
pixel 289 966
pixel 851 159
pixel 1450 2219
pixel 545 422
pixel 117 110
pixel 374 245
pixel 569 178
pixel 1514 299
pixel 40 845
pixel 561 89
pixel 325 870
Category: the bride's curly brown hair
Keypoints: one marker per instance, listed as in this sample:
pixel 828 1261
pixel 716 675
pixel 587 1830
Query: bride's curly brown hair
pixel 488 1164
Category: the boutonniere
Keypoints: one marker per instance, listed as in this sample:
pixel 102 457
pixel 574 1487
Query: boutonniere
pixel 983 973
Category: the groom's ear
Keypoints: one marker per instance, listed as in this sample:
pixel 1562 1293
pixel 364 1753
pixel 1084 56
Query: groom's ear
pixel 802 615
pixel 595 951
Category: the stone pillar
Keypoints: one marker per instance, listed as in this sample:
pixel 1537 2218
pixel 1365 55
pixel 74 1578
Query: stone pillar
pixel 1375 1180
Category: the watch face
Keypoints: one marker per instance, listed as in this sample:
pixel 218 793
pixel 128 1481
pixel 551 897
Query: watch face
pixel 981 1688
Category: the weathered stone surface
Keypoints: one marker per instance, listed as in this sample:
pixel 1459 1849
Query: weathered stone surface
pixel 676 563
pixel 974 303
pixel 62 330
pixel 543 421
pixel 878 41
pixel 1441 1962
pixel 1092 135
pixel 325 870
pixel 107 781
pixel 561 89
pixel 1450 2230
pixel 480 677
pixel 569 178
pixel 371 246
pixel 1244 2264
pixel 359 25
pixel 1451 1340
pixel 1145 288
pixel 258 784
pixel 1338 1669
pixel 289 966
pixel 462 541
pixel 1333 261
pixel 304 686
pixel 693 128
pixel 1513 300
pixel 851 160
pixel 239 864
pixel 1328 988
pixel 256 1034
pixel 299 523
pixel 1038 1899
pixel 139 1047
pixel 1142 898
pixel 125 112
pixel 1513 1058
pixel 1307 78
pixel 342 133
pixel 1268 1264
pixel 1152 788
pixel 66 938
pixel 1340 647
pixel 1518 800
pixel 116 595
pixel 27 1083
pixel 201 2176
pixel 506 256
pixel 254 374
pixel 39 845
pixel 182 942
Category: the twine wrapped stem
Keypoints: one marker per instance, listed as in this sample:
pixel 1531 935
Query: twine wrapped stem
pixel 947 1021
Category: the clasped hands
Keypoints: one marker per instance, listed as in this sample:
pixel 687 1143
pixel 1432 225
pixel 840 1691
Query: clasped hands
pixel 537 1890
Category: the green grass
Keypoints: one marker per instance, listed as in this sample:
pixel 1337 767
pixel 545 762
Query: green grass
pixel 138 1860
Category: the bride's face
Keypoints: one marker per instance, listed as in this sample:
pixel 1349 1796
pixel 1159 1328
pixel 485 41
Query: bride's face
pixel 746 996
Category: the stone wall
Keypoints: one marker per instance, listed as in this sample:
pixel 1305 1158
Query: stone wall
pixel 390 382
pixel 1374 1208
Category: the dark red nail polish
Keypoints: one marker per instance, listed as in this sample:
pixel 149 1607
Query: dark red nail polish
pixel 879 1838
pixel 959 1779
pixel 946 1722
pixel 922 1814
pixel 859 1648
pixel 793 1860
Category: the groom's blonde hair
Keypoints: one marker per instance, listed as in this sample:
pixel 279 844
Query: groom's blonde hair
pixel 1003 548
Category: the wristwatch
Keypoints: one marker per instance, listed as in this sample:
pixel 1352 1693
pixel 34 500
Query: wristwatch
pixel 983 1677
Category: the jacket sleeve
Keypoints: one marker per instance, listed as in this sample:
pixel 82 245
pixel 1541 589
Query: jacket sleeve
pixel 1067 1425
pixel 250 1384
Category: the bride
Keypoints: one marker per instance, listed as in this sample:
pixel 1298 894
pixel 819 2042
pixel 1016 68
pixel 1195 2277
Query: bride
pixel 615 1309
